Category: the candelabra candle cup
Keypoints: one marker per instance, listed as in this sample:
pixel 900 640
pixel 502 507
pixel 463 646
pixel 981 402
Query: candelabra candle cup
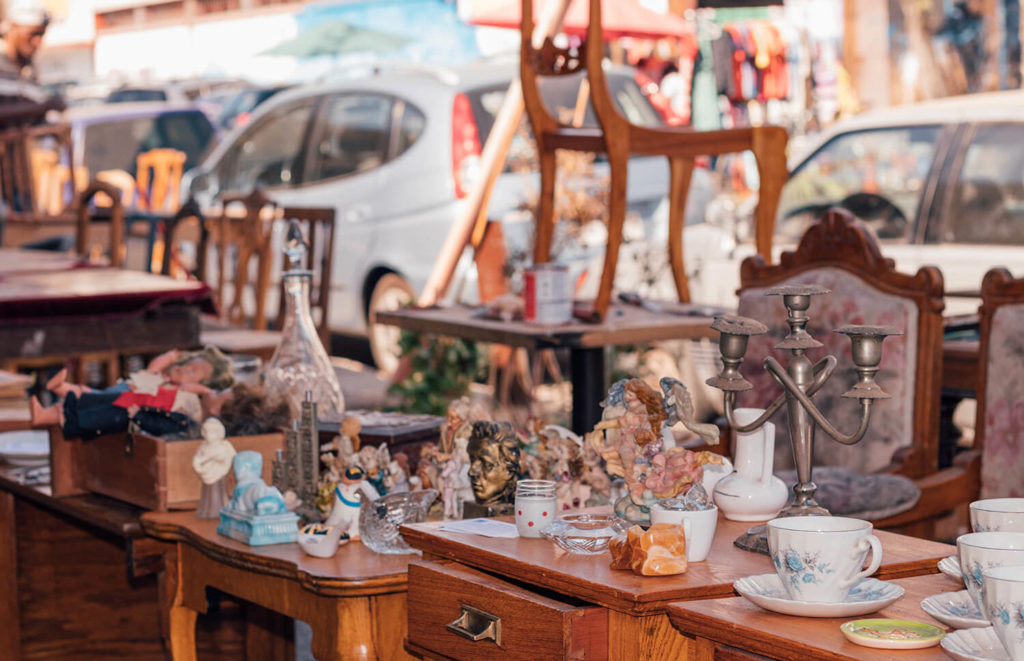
pixel 535 506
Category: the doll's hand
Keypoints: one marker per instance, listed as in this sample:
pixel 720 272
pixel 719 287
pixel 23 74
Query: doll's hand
pixel 197 388
pixel 164 360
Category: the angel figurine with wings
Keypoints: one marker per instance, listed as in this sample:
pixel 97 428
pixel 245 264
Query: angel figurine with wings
pixel 634 440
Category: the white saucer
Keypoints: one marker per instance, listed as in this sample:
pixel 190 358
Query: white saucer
pixel 951 567
pixel 978 644
pixel 25 448
pixel 955 609
pixel 867 596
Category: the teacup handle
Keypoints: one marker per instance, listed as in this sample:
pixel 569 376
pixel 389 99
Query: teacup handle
pixel 876 559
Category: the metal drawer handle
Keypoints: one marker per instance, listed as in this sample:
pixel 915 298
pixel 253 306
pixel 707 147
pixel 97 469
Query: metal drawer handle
pixel 476 625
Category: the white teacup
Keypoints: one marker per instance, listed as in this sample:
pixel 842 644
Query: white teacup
pixel 698 528
pixel 979 551
pixel 1004 606
pixel 998 515
pixel 819 558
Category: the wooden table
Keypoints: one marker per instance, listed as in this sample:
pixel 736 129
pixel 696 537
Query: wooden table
pixel 717 628
pixel 624 324
pixel 637 606
pixel 354 602
pixel 92 310
pixel 16 260
pixel 80 579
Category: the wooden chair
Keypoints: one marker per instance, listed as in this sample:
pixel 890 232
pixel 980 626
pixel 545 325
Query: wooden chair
pixel 837 252
pixel 158 178
pixel 620 139
pixel 999 429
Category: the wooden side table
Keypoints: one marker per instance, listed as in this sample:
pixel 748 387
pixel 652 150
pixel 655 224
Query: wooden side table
pixel 636 607
pixel 720 629
pixel 354 602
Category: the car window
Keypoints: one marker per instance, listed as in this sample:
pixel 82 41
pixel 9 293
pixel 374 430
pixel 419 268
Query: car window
pixel 410 127
pixel 352 135
pixel 116 143
pixel 133 95
pixel 988 197
pixel 269 152
pixel 879 175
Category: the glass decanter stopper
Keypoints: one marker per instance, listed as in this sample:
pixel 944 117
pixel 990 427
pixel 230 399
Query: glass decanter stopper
pixel 300 362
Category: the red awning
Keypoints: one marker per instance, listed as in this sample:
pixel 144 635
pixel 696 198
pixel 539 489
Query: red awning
pixel 619 18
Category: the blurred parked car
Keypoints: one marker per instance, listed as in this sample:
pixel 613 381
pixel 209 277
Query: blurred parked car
pixel 396 154
pixel 938 183
pixel 238 107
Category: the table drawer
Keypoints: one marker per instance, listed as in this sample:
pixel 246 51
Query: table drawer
pixel 449 603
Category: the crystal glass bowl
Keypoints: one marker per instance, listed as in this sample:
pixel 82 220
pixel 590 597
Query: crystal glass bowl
pixel 588 534
pixel 379 519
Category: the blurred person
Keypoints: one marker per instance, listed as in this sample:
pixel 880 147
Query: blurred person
pixel 22 99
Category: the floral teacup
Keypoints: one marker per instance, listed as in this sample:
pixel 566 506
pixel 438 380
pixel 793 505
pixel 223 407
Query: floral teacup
pixel 997 515
pixel 819 558
pixel 979 551
pixel 1004 606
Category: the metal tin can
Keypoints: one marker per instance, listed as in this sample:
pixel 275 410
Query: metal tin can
pixel 547 298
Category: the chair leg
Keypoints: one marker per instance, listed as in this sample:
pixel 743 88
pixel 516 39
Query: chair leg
pixel 618 163
pixel 769 147
pixel 545 227
pixel 680 170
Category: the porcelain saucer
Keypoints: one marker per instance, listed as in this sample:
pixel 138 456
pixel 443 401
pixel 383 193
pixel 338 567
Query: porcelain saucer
pixel 978 644
pixel 955 609
pixel 867 596
pixel 951 567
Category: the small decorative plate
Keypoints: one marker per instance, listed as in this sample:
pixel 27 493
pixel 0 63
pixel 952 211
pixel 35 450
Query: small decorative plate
pixel 867 596
pixel 978 644
pixel 892 634
pixel 951 567
pixel 955 609
pixel 25 448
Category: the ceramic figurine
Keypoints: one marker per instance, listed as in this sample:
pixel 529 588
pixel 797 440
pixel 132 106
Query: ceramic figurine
pixel 257 513
pixel 633 440
pixel 349 495
pixel 557 454
pixel 658 551
pixel 165 398
pixel 321 540
pixel 212 462
pixel 494 468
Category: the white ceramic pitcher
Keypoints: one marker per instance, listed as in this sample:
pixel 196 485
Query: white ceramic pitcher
pixel 752 492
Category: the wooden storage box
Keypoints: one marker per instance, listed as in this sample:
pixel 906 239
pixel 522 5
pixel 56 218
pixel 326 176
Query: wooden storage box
pixel 144 470
pixel 510 621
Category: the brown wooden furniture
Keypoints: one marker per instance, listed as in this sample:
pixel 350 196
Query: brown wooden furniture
pixel 621 139
pixel 71 567
pixel 355 601
pixel 543 585
pixel 839 243
pixel 158 178
pixel 734 629
pixel 585 341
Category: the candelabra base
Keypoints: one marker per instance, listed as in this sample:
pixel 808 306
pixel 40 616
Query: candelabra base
pixel 755 539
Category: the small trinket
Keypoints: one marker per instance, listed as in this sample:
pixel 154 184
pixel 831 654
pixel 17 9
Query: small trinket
pixel 659 551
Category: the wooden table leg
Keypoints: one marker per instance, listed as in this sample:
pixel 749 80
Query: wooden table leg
pixel 10 613
pixel 344 631
pixel 181 618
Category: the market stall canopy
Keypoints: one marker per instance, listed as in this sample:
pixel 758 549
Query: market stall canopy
pixel 620 18
pixel 338 38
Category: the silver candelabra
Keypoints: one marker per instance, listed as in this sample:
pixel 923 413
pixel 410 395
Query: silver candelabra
pixel 799 381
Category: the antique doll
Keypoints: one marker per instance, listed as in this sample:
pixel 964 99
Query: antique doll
pixel 164 399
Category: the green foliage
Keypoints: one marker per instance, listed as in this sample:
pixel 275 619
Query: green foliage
pixel 441 369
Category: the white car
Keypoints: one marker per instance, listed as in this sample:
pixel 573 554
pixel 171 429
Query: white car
pixel 395 154
pixel 938 183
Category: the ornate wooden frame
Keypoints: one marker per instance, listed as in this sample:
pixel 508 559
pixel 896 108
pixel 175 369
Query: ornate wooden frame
pixel 838 240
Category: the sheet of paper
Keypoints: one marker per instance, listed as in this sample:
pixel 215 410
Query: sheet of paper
pixel 485 527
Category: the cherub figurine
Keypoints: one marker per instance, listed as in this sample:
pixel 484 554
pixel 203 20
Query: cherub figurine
pixel 637 451
pixel 173 392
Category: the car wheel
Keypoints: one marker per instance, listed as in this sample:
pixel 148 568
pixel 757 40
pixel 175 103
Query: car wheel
pixel 390 293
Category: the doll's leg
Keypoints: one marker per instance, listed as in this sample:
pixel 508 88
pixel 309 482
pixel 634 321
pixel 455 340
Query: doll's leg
pixel 60 386
pixel 40 415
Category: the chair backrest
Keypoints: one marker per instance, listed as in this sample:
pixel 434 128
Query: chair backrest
pixel 837 252
pixel 158 176
pixel 241 235
pixel 36 181
pixel 317 225
pixel 999 428
pixel 85 212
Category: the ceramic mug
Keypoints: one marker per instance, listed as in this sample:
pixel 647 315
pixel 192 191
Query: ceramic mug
pixel 998 515
pixel 1004 606
pixel 698 528
pixel 819 558
pixel 979 551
